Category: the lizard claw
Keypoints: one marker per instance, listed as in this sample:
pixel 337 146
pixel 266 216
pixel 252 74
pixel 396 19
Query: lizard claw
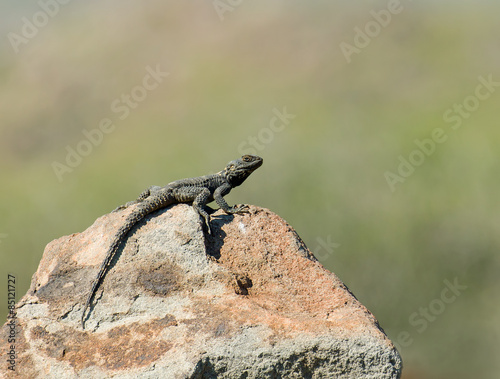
pixel 119 208
pixel 209 230
pixel 124 206
pixel 207 223
pixel 241 209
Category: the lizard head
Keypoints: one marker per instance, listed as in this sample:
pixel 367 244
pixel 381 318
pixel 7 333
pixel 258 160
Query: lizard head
pixel 238 170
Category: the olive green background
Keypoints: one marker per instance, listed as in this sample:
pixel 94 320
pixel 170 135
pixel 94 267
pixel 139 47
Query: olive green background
pixel 231 65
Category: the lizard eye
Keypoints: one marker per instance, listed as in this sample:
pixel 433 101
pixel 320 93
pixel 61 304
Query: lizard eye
pixel 247 158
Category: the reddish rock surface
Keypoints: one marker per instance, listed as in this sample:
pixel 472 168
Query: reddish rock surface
pixel 249 301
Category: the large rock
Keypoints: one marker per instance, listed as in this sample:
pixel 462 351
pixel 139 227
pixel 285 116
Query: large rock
pixel 250 301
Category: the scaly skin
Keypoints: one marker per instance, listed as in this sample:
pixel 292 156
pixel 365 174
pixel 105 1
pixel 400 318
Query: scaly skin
pixel 200 191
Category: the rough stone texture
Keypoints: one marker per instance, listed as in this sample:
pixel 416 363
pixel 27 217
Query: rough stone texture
pixel 250 301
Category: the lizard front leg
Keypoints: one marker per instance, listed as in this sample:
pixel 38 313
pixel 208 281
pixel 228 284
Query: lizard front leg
pixel 199 204
pixel 219 194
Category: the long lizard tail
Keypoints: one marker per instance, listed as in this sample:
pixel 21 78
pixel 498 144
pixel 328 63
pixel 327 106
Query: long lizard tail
pixel 131 220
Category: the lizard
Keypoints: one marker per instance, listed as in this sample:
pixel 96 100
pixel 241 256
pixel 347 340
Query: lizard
pixel 199 191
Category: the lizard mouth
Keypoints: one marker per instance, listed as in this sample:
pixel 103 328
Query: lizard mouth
pixel 257 163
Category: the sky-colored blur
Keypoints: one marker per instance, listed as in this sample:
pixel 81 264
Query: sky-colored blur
pixel 378 123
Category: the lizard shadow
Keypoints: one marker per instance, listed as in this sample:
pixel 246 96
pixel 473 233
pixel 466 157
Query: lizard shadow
pixel 215 241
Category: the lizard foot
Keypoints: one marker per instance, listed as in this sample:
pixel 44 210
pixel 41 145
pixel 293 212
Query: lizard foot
pixel 125 206
pixel 119 208
pixel 206 218
pixel 241 209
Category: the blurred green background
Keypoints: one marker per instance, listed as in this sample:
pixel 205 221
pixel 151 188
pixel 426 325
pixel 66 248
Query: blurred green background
pixel 231 65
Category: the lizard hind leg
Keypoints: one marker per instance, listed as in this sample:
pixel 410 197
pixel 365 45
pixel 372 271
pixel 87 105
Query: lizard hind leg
pixel 143 196
pixel 147 192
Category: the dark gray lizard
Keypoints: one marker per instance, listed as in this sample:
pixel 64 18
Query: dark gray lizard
pixel 200 191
